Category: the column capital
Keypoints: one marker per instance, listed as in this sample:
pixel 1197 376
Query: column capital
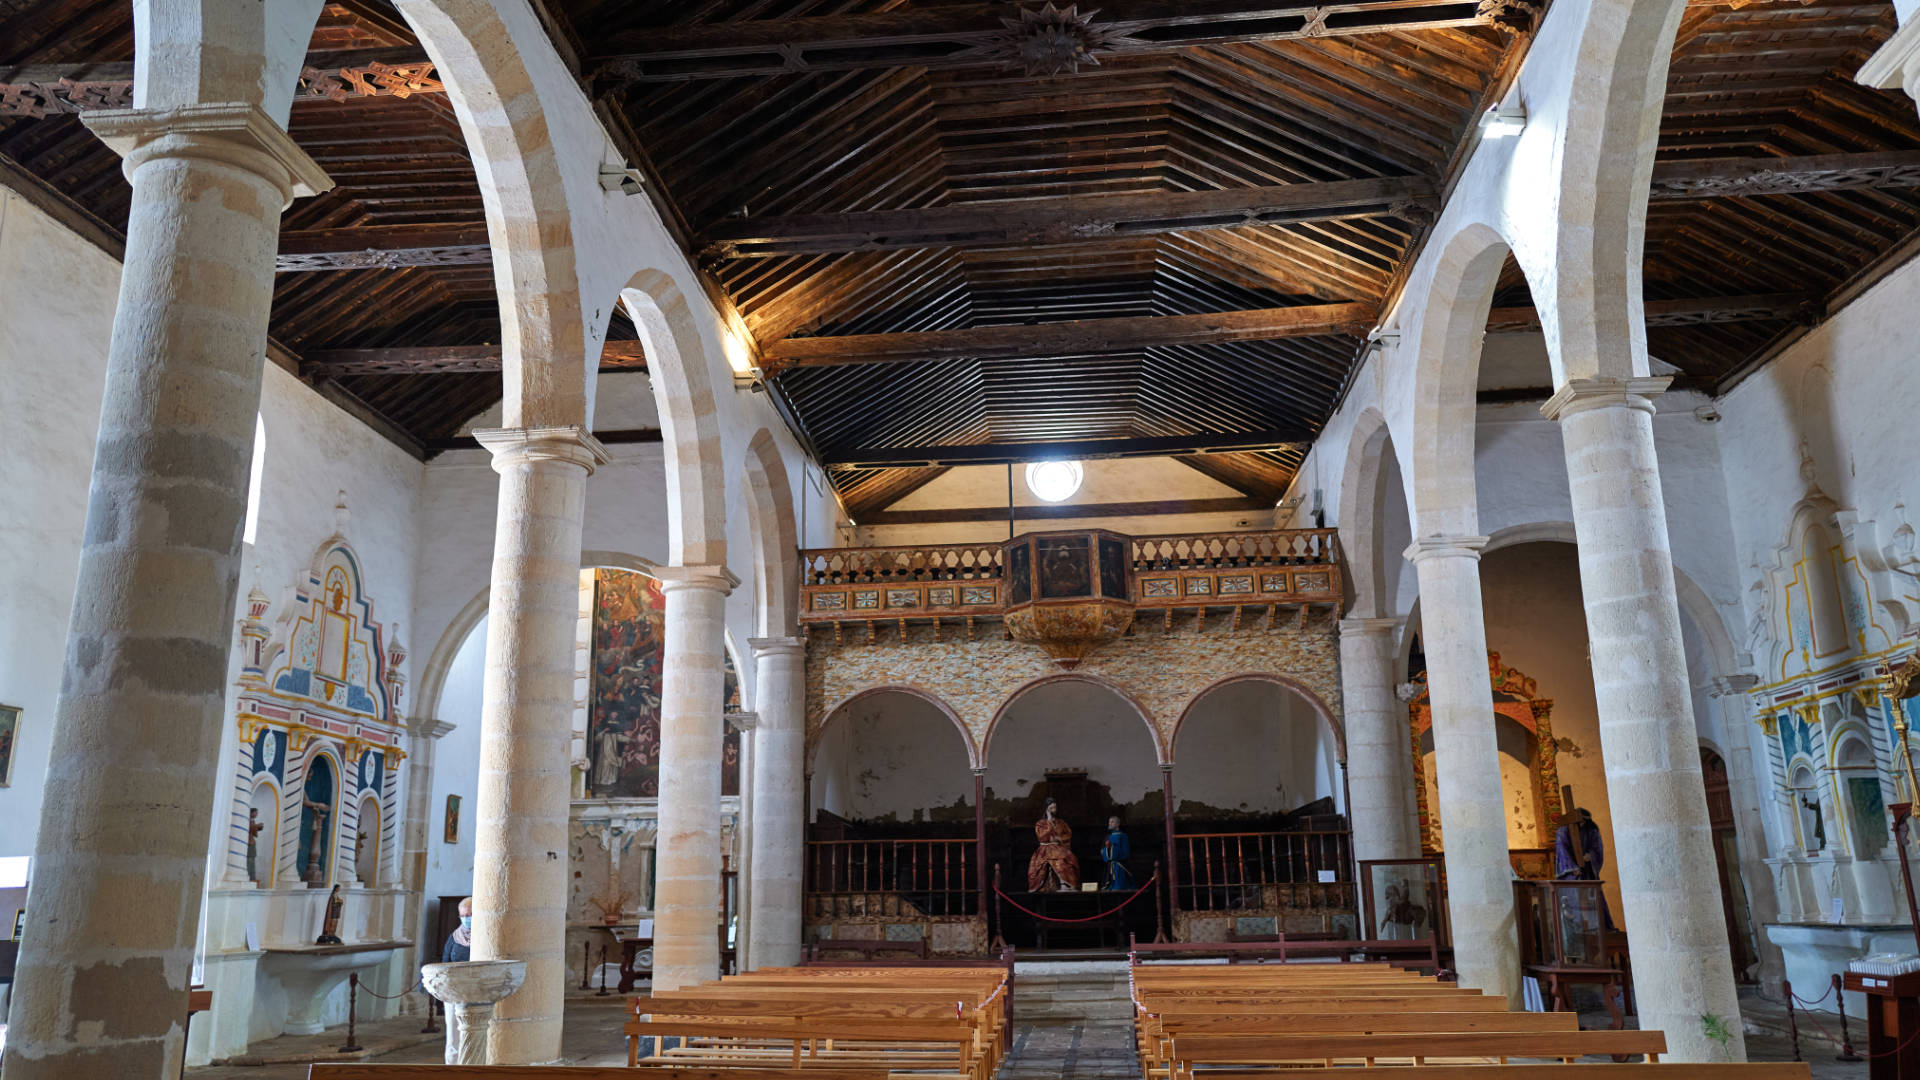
pixel 1895 65
pixel 233 132
pixel 742 721
pixel 777 646
pixel 711 576
pixel 1364 626
pixel 518 446
pixel 430 729
pixel 1445 547
pixel 1607 392
pixel 1723 685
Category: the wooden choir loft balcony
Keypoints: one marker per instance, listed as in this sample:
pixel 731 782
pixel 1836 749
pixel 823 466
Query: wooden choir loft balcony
pixel 1281 571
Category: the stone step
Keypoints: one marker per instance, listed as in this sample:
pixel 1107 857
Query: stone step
pixel 1072 1011
pixel 1075 993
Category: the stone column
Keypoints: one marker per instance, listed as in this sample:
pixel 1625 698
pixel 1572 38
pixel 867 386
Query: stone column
pixel 419 829
pixel 1467 764
pixel 526 713
pixel 1379 770
pixel 1763 903
pixel 779 834
pixel 686 941
pixel 1661 835
pixel 121 855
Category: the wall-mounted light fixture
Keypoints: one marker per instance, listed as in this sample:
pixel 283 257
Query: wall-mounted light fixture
pixel 1505 121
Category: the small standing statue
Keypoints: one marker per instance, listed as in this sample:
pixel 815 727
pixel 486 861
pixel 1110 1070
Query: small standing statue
pixel 1053 867
pixel 253 833
pixel 316 876
pixel 1114 853
pixel 330 929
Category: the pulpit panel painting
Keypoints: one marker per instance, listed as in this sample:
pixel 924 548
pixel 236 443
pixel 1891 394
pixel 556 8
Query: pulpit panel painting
pixel 623 724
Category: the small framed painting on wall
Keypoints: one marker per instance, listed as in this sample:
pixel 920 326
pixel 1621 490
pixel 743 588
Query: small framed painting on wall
pixel 9 737
pixel 453 819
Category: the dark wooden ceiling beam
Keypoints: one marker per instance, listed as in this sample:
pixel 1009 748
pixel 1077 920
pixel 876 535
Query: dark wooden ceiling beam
pixel 371 247
pixel 1715 178
pixel 1010 453
pixel 38 90
pixel 968 35
pixel 1080 337
pixel 1694 311
pixel 1159 508
pixel 1064 220
pixel 441 360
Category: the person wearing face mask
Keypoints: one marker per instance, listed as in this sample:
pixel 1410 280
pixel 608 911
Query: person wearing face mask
pixel 457 950
pixel 459 946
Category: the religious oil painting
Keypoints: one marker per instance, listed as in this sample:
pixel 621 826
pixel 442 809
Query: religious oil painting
pixel 452 834
pixel 9 734
pixel 623 724
pixel 1064 567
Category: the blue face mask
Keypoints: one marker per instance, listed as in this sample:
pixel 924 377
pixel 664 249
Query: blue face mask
pixel 466 922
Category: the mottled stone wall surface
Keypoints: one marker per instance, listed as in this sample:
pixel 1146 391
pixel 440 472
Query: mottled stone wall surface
pixel 1162 670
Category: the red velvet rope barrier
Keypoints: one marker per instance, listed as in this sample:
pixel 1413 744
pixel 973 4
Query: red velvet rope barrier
pixel 1137 893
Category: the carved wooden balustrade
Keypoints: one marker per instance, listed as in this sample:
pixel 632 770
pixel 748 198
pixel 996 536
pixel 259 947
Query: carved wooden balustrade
pixel 1292 566
pixel 892 878
pixel 1275 570
pixel 1251 871
pixel 901 582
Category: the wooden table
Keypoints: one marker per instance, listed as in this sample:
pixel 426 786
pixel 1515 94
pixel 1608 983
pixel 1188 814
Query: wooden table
pixel 1893 1019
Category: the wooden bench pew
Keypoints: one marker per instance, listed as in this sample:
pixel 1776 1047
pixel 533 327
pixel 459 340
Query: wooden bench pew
pixel 770 1023
pixel 936 1047
pixel 1155 1033
pixel 356 1071
pixel 1290 1050
pixel 1770 1070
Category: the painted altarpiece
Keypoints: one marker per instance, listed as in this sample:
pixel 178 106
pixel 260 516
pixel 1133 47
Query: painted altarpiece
pixel 1533 803
pixel 315 804
pixel 615 820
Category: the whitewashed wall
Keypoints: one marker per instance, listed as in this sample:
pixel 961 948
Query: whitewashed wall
pixel 56 303
pixel 456 771
pixel 1105 482
pixel 57 293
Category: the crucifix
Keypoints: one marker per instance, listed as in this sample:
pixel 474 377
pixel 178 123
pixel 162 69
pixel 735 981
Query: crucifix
pixel 316 877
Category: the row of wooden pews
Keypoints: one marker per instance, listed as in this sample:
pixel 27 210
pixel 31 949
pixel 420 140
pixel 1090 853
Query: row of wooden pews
pixel 1354 1021
pixel 939 1023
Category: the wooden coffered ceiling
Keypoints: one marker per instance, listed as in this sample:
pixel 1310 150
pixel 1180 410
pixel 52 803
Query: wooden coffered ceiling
pixel 955 244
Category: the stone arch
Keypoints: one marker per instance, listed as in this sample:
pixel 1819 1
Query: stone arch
pixel 1359 532
pixel 1160 754
pixel 1451 324
pixel 838 708
pixel 1334 729
pixel 432 678
pixel 1602 176
pixel 683 388
pixel 776 539
pixel 543 333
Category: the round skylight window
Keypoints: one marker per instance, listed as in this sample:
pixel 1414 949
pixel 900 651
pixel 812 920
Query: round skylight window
pixel 1053 481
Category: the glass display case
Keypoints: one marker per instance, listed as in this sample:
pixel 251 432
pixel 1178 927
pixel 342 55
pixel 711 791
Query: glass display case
pixel 1563 924
pixel 1405 900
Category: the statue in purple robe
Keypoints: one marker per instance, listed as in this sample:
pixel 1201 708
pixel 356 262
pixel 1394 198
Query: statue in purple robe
pixel 1580 857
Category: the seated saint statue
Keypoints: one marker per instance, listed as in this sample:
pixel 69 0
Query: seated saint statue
pixel 1053 867
pixel 1114 853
